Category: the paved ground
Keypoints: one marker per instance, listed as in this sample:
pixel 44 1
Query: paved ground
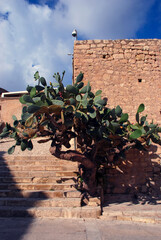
pixel 127 211
pixel 76 229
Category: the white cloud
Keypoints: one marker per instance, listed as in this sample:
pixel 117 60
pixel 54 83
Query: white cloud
pixel 106 18
pixel 28 38
pixel 36 37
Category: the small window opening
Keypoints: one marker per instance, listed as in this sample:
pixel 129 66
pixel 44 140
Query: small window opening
pixel 104 56
pixel 0 108
pixel 139 80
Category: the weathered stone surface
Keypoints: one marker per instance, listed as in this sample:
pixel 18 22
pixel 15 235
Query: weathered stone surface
pixel 128 72
pixel 142 62
pixel 51 212
pixel 40 186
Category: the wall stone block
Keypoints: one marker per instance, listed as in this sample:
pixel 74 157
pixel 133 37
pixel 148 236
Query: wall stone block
pixel 129 73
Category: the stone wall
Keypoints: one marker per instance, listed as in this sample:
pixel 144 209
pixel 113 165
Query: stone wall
pixel 8 107
pixel 139 173
pixel 129 73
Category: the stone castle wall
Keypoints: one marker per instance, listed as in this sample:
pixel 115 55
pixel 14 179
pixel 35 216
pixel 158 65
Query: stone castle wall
pixel 129 73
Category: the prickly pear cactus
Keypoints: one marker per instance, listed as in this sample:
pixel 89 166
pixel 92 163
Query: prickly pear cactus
pixel 58 114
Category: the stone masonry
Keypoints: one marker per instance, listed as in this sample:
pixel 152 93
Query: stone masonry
pixel 8 107
pixel 129 73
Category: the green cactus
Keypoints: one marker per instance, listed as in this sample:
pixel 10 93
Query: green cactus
pixel 141 108
pixel 79 78
pixel 72 89
pixel 11 149
pixel 85 89
pixel 76 112
pixel 33 108
pixel 118 111
pixel 80 85
pixel 136 134
pixel 124 118
pixel 28 99
pixel 43 81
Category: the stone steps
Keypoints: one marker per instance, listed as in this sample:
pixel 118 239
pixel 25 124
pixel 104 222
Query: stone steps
pixel 41 186
pixel 32 162
pixel 40 194
pixel 38 179
pixel 35 186
pixel 40 202
pixel 144 216
pixel 38 174
pixel 34 158
pixel 37 168
pixel 51 212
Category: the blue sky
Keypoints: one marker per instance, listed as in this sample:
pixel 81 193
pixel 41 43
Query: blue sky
pixel 36 34
pixel 152 26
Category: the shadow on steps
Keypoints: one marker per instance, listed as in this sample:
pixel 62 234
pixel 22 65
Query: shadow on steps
pixel 8 208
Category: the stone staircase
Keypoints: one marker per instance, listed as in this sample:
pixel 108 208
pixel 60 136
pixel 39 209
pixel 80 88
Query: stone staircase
pixel 41 186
